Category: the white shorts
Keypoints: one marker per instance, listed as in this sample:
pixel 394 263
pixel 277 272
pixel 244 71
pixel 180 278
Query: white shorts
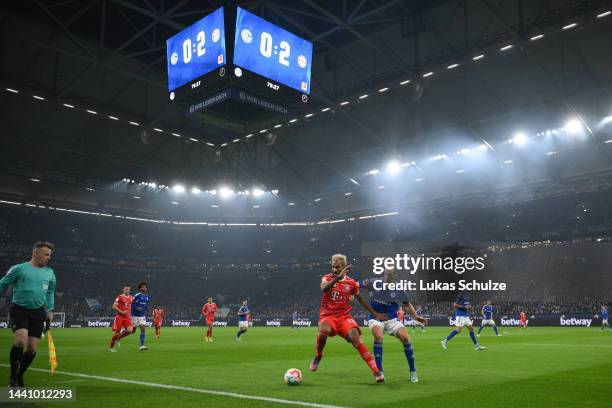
pixel 139 321
pixel 243 323
pixel 461 321
pixel 488 322
pixel 604 321
pixel 389 326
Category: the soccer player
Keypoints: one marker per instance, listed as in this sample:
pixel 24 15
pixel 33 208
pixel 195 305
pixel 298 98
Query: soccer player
pixel 487 318
pixel 33 301
pixel 158 319
pixel 244 315
pixel 140 307
pixel 416 323
pixel 523 321
pixel 604 317
pixel 388 302
pixel 462 318
pixel 294 319
pixel 335 317
pixel 122 326
pixel 208 311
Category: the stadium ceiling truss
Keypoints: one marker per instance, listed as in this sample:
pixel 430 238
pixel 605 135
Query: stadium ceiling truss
pixel 337 28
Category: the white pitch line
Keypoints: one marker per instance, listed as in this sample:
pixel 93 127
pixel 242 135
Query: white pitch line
pixel 181 388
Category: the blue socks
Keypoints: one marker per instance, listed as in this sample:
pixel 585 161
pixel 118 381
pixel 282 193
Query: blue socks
pixel 239 333
pixel 451 335
pixel 480 329
pixel 378 350
pixel 473 337
pixel 495 329
pixel 409 352
pixel 142 337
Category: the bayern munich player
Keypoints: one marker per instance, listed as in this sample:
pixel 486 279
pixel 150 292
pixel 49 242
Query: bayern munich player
pixel 158 320
pixel 523 321
pixel 335 318
pixel 208 311
pixel 123 320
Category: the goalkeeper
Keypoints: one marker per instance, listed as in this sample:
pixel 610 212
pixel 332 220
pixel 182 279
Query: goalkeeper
pixel 33 298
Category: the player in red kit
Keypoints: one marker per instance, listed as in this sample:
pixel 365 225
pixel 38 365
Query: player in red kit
pixel 335 317
pixel 158 319
pixel 123 319
pixel 208 311
pixel 523 320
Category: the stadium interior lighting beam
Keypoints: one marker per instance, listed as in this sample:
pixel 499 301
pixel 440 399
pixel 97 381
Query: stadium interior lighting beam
pixel 519 139
pixel 178 188
pixel 258 192
pixel 393 167
pixel 573 126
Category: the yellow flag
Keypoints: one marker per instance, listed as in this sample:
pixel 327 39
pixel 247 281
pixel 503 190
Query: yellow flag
pixel 52 355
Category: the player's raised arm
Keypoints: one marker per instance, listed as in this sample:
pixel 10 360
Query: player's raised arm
pixel 414 314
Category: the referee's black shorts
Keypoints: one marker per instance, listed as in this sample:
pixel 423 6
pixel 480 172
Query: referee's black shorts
pixel 33 320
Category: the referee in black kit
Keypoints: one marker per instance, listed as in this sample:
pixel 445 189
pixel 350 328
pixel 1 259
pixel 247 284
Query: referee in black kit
pixel 33 299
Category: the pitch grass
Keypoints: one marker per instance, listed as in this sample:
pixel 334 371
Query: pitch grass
pixel 547 367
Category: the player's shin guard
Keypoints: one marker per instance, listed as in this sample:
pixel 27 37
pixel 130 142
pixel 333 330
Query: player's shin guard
pixel 321 340
pixel 366 356
pixel 15 359
pixel 26 360
pixel 409 352
pixel 451 335
pixel 473 337
pixel 378 353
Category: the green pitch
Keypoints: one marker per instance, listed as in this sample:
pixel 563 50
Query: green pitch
pixel 547 367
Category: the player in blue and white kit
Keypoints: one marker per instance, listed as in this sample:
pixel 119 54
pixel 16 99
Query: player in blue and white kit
pixel 387 302
pixel 604 317
pixel 487 318
pixel 294 318
pixel 140 307
pixel 243 319
pixel 462 318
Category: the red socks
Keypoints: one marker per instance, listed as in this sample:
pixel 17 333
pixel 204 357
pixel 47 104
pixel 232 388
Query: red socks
pixel 366 356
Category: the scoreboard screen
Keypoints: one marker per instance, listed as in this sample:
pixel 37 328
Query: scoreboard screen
pixel 197 50
pixel 272 52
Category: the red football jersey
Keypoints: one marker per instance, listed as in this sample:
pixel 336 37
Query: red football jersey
pixel 124 303
pixel 158 315
pixel 336 301
pixel 523 316
pixel 209 310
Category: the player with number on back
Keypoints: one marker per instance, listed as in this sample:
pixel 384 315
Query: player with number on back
pixel 335 317
pixel 462 307
pixel 208 311
pixel 140 307
pixel 158 320
pixel 487 318
pixel 122 326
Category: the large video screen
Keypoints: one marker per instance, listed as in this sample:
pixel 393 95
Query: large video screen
pixel 196 50
pixel 272 52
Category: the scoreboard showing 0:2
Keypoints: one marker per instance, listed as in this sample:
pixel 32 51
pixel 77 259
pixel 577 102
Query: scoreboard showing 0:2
pixel 272 52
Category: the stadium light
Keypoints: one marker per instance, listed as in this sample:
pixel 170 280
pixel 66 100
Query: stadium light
pixel 316 200
pixel 174 202
pixel 68 105
pixel 508 162
pixel 113 117
pixel 226 192
pixel 293 120
pixel 519 139
pixel 344 103
pixel 40 98
pixel 478 57
pixel 572 25
pixel 393 167
pixel 407 81
pixel 258 192
pixel 419 179
pixel 348 194
pixel 158 130
pixel 506 47
pixel 573 127
pixel 385 89
pixel 178 188
pixel 428 74
pixel 291 203
pixel 91 111
pixel 12 90
pixel 605 14
pixel 536 37
pixel 364 96
pixel 452 66
pixel 372 172
pixel 130 122
pixel 196 190
pixel 354 181
pixel 325 109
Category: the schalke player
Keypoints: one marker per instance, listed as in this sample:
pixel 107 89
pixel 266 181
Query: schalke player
pixel 462 307
pixel 604 317
pixel 140 307
pixel 387 302
pixel 487 318
pixel 243 319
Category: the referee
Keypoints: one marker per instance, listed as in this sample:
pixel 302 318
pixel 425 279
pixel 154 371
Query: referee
pixel 33 298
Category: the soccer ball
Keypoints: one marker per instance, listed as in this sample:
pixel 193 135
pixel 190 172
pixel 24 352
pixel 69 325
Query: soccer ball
pixel 293 376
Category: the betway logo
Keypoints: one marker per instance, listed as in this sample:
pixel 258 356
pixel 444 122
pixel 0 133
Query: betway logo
pixel 223 324
pixel 97 323
pixel 302 323
pixel 273 323
pixel 510 322
pixel 273 86
pixel 181 323
pixel 575 322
